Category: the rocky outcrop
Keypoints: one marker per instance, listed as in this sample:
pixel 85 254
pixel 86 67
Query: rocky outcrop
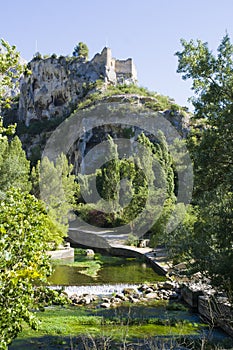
pixel 56 85
pixel 144 293
pixel 123 130
pixel 35 136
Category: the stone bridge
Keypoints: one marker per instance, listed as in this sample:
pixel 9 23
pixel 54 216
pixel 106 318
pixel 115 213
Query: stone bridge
pixel 107 240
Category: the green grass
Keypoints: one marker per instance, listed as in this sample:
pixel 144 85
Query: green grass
pixel 61 327
pixel 75 321
pixel 160 103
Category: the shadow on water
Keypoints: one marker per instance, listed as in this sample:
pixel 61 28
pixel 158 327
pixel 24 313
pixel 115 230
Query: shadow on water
pixel 100 343
pixel 141 334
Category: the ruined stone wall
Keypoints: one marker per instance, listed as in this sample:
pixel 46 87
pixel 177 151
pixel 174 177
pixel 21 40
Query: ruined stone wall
pixel 125 69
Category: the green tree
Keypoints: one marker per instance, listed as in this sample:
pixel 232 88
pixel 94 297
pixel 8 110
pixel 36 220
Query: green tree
pixel 163 183
pixel 14 166
pixel 211 137
pixel 129 185
pixel 10 70
pixel 24 232
pixel 25 228
pixel 212 240
pixel 211 145
pixel 57 186
pixel 81 50
pixel 110 176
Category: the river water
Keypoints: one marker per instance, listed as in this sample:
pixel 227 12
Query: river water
pixel 111 270
pixel 112 276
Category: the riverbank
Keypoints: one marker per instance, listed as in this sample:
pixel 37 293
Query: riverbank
pixel 127 316
pixel 151 325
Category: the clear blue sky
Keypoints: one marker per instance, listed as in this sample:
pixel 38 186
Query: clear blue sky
pixel 149 31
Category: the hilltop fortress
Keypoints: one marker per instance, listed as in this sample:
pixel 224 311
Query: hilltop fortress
pixel 115 71
pixel 57 84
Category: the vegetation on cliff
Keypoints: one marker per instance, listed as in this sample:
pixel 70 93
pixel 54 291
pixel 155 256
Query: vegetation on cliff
pixel 81 50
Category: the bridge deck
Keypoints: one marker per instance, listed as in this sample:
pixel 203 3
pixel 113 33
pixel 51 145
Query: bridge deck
pixel 114 243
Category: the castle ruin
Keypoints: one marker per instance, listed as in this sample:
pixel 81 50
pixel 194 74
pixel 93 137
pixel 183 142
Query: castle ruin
pixel 117 71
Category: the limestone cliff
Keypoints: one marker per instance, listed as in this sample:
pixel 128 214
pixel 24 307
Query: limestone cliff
pixel 56 85
pixel 59 85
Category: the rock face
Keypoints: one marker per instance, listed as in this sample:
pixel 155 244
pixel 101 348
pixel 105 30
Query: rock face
pixel 94 136
pixel 56 85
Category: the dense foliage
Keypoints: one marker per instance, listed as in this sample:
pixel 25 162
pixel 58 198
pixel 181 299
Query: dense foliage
pixel 211 146
pixel 26 229
pixel 55 184
pixel 14 166
pixel 127 186
pixel 24 232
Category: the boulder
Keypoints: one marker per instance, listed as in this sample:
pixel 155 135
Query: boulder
pixel 151 295
pixel 105 305
pixel 148 290
pixel 90 252
pixel 168 285
pixel 133 300
pixel 129 291
pixel 105 300
pixel 143 243
pixel 143 288
pixel 115 300
pixel 87 299
pixel 121 296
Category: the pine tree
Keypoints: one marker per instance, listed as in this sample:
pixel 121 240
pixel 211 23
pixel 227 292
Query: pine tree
pixel 81 50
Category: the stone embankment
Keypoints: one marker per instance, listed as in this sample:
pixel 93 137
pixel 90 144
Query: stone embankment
pixel 210 305
pixel 62 252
